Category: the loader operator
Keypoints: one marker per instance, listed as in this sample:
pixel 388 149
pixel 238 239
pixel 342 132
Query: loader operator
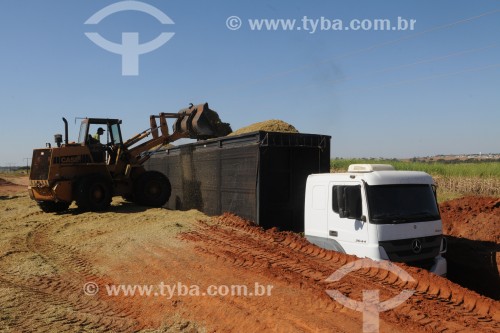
pixel 97 136
pixel 96 139
pixel 96 148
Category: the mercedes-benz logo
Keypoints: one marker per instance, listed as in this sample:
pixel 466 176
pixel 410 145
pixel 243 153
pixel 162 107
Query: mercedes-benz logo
pixel 416 246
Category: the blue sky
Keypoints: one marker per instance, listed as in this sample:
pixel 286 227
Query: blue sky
pixel 434 90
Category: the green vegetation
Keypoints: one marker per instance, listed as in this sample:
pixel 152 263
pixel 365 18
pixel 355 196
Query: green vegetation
pixel 439 168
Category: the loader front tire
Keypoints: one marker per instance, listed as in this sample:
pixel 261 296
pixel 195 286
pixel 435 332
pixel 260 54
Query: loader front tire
pixel 52 206
pixel 93 194
pixel 152 189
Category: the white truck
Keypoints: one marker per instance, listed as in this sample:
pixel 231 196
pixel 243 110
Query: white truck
pixel 376 212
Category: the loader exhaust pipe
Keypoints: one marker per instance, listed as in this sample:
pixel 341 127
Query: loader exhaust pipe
pixel 65 130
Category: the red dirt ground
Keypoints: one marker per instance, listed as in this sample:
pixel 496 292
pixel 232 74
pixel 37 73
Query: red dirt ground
pixel 472 227
pixel 475 218
pixel 233 250
pixel 8 187
pixel 438 304
pixel 46 260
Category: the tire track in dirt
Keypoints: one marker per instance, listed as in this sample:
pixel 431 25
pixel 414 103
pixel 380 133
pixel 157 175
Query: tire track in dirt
pixel 289 309
pixel 437 304
pixel 56 300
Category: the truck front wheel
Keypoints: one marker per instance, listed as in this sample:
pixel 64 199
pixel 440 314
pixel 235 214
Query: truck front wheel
pixel 152 188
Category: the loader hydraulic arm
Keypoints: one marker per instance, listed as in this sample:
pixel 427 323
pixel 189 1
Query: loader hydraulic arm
pixel 196 122
pixel 156 140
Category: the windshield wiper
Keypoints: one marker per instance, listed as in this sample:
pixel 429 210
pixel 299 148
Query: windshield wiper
pixel 393 218
pixel 425 215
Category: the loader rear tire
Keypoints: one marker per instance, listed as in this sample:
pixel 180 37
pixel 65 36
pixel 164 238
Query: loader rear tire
pixel 93 194
pixel 52 206
pixel 152 189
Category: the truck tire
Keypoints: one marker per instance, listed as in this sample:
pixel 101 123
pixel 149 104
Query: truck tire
pixel 152 189
pixel 93 194
pixel 52 206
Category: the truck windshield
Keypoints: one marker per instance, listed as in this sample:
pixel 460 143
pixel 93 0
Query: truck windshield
pixel 402 203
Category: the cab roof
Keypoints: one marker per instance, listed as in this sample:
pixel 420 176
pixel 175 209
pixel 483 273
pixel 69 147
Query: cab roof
pixel 377 174
pixel 378 177
pixel 101 121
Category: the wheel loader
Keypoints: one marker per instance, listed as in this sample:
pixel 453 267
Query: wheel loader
pixel 98 167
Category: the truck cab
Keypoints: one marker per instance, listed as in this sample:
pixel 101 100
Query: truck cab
pixel 376 212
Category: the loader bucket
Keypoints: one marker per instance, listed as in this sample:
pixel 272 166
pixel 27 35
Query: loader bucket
pixel 200 122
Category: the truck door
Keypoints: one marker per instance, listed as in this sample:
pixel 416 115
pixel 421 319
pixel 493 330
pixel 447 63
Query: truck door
pixel 346 213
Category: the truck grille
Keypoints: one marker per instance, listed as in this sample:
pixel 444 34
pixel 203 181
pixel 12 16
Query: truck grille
pixel 402 250
pixel 40 164
pixel 425 264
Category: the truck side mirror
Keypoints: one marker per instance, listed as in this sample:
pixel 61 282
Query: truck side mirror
pixel 434 190
pixel 335 198
pixel 353 202
pixel 346 201
pixel 343 213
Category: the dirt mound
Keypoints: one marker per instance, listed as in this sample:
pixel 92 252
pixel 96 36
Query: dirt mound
pixel 4 182
pixel 8 187
pixel 472 228
pixel 272 125
pixel 475 218
pixel 437 304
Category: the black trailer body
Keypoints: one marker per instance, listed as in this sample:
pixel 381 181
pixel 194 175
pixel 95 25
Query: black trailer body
pixel 260 176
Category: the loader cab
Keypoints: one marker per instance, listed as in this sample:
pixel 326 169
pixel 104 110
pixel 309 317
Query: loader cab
pixel 102 147
pixel 111 136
